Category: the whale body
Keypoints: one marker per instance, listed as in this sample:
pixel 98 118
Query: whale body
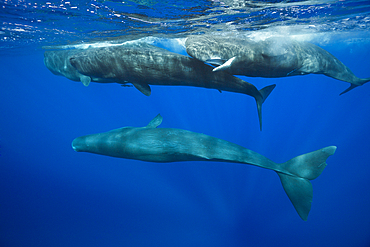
pixel 143 65
pixel 271 58
pixel 154 144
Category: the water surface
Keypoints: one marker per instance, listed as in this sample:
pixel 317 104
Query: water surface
pixel 53 196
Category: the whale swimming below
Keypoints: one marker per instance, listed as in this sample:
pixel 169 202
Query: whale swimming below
pixel 144 64
pixel 271 58
pixel 154 144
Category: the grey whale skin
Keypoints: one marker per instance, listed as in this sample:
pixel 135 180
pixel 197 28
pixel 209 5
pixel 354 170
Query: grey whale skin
pixel 171 145
pixel 58 63
pixel 271 58
pixel 143 65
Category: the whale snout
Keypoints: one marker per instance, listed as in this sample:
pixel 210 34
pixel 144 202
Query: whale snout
pixel 76 144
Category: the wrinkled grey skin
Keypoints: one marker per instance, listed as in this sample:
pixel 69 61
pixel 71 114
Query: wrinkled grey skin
pixel 171 145
pixel 150 65
pixel 58 63
pixel 146 65
pixel 273 57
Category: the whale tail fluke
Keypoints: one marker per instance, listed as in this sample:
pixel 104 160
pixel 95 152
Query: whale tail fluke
pixel 352 86
pixel 265 92
pixel 302 169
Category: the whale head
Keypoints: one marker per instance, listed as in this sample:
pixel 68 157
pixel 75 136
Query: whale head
pixel 58 63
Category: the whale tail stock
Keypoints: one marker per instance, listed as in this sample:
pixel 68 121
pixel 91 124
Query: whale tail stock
pixel 265 92
pixel 352 86
pixel 302 169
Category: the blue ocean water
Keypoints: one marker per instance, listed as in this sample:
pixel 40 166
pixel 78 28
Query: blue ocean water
pixel 51 195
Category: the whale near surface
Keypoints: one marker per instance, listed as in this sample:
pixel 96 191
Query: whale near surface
pixel 58 63
pixel 154 144
pixel 144 64
pixel 271 58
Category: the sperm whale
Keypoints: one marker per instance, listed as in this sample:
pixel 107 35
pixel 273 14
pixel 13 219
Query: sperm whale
pixel 271 58
pixel 154 144
pixel 143 65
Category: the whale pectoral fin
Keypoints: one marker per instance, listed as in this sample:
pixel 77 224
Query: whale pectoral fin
pixel 155 122
pixel 216 61
pixel 225 66
pixel 143 87
pixel 85 80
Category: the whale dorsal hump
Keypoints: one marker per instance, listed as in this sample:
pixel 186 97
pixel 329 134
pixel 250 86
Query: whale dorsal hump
pixel 85 80
pixel 143 87
pixel 155 122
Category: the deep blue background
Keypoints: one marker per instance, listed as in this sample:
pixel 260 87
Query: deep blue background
pixel 53 196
